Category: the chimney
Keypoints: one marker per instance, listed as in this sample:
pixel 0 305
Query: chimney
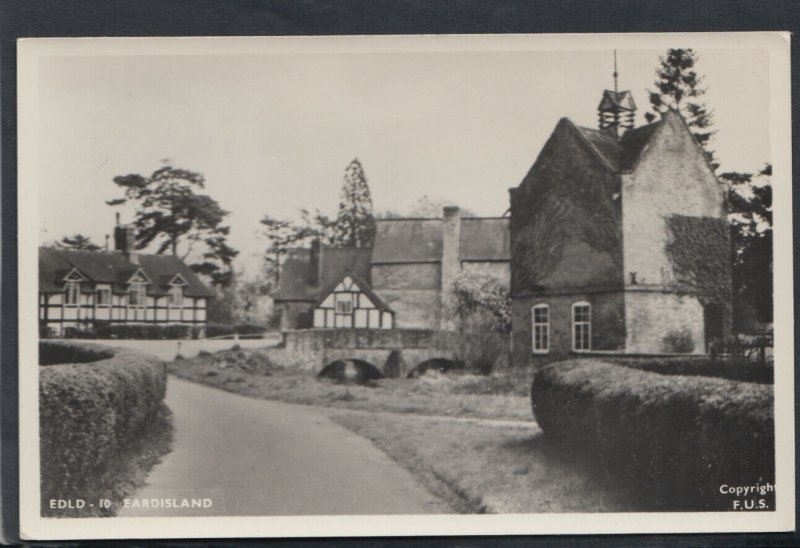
pixel 451 265
pixel 125 241
pixel 315 263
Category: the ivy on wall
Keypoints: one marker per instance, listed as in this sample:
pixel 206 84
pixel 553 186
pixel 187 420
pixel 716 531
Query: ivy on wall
pixel 700 253
pixel 567 196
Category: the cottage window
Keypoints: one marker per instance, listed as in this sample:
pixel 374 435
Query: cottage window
pixel 540 317
pixel 136 295
pixel 344 307
pixel 103 296
pixel 176 296
pixel 581 327
pixel 72 291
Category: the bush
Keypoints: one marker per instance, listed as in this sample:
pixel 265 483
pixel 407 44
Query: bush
pixel 678 437
pixel 79 333
pixel 145 331
pixel 698 366
pixel 58 352
pixel 219 330
pixel 250 329
pixel 89 413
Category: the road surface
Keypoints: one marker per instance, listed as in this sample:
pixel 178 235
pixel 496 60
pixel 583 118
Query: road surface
pixel 245 457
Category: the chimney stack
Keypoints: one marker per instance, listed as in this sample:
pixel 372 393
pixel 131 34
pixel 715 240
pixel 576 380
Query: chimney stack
pixel 125 241
pixel 451 265
pixel 315 263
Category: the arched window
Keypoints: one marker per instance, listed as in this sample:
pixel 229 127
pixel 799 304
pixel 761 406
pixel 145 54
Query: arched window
pixel 581 326
pixel 540 326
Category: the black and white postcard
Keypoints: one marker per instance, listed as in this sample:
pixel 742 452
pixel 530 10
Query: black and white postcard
pixel 405 285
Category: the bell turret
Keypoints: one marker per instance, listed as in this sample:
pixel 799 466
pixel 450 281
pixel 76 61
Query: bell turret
pixel 617 111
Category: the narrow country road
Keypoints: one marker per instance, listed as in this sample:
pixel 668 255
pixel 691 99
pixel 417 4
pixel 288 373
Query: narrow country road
pixel 247 457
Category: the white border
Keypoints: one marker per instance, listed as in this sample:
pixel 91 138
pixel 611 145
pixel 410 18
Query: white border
pixel 32 526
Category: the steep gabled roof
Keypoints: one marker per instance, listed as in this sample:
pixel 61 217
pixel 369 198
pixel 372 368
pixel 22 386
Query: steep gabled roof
pixel 299 281
pixel 485 239
pixel 407 241
pixel 619 155
pixel 115 269
pixel 362 285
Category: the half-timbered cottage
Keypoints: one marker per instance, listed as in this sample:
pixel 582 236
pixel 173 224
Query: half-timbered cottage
pixel 87 289
pixel 406 280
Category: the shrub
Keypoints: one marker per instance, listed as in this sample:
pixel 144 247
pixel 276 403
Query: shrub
pixel 90 412
pixel 679 341
pixel 145 331
pixel 698 366
pixel 58 352
pixel 677 436
pixel 250 328
pixel 219 330
pixel 79 333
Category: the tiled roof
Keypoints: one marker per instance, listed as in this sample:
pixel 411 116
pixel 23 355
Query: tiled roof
pixel 622 154
pixel 116 269
pixel 298 282
pixel 407 241
pixel 485 239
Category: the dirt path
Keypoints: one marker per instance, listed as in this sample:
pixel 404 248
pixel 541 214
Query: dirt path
pixel 258 457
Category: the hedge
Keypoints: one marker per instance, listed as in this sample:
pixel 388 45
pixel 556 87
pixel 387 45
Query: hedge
pixel 144 331
pixel 677 438
pixel 90 412
pixel 699 366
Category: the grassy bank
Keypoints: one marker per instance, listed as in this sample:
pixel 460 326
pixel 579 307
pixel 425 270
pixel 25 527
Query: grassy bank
pixel 480 468
pixel 251 373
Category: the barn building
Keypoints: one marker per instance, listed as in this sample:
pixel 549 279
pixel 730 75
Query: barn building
pixel 619 241
pixel 87 289
pixel 406 280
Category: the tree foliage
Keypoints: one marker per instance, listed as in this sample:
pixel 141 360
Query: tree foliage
pixel 749 200
pixel 679 87
pixel 283 235
pixel 173 216
pixel 425 208
pixel 78 242
pixel 355 223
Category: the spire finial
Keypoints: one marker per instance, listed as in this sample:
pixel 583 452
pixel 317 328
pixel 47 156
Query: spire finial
pixel 615 71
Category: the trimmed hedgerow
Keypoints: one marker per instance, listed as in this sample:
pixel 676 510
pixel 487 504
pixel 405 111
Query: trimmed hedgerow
pixel 144 331
pixel 703 366
pixel 676 437
pixel 57 352
pixel 89 413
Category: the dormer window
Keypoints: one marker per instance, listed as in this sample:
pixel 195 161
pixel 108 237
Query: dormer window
pixel 176 296
pixel 137 294
pixel 72 292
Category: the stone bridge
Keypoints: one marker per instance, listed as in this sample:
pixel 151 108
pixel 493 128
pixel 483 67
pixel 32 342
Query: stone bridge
pixel 313 349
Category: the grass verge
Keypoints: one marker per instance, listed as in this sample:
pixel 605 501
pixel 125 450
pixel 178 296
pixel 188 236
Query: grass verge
pixel 251 373
pixel 478 468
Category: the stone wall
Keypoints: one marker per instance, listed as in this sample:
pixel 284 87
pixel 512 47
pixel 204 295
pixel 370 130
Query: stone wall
pixel 313 349
pixel 411 291
pixel 672 178
pixel 655 321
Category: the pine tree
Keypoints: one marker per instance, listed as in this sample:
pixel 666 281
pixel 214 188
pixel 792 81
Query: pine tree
pixel 355 223
pixel 679 87
pixel 78 242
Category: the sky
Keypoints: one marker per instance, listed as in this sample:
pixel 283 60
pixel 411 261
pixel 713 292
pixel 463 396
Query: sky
pixel 273 132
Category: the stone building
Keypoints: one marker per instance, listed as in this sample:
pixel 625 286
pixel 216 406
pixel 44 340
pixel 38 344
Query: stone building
pixel 87 289
pixel 619 241
pixel 409 274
